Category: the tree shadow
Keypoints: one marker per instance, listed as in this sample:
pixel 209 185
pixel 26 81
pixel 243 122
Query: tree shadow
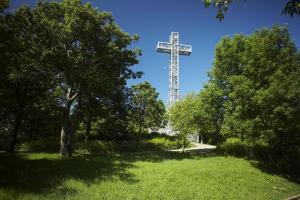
pixel 270 164
pixel 40 175
pixel 24 174
pixel 290 173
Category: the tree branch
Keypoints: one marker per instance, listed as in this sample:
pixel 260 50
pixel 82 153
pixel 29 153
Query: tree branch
pixel 74 96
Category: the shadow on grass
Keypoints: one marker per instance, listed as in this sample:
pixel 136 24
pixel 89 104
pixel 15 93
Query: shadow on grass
pixel 269 163
pixel 25 173
pixel 290 173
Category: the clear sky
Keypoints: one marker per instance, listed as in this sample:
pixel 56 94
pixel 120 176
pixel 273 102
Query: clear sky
pixel 154 20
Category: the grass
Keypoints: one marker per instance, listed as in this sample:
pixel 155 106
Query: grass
pixel 151 175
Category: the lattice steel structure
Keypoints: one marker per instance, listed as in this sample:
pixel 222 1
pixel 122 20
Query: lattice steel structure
pixel 174 49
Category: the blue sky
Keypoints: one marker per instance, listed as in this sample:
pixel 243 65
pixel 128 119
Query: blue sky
pixel 154 20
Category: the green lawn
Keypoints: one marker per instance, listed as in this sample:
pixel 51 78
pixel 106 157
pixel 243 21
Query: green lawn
pixel 156 175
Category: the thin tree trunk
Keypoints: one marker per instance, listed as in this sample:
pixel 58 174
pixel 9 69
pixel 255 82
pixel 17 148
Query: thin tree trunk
pixel 66 132
pixel 201 138
pixel 141 123
pixel 183 143
pixel 88 129
pixel 15 131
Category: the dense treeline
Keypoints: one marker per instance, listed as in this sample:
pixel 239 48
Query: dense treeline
pixel 252 99
pixel 64 71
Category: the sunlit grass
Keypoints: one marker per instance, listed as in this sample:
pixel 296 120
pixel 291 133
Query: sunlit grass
pixel 156 175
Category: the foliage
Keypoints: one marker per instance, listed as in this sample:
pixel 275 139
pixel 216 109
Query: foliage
pixel 258 77
pixel 182 117
pixel 251 101
pixel 139 143
pixel 199 114
pixel 291 7
pixel 47 144
pixel 166 143
pixel 92 58
pixel 25 74
pixel 233 146
pixel 209 112
pixel 147 175
pixel 146 110
pixel 63 62
pixel 3 5
pixel 95 146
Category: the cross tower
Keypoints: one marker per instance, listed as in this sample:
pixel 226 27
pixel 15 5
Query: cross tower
pixel 174 49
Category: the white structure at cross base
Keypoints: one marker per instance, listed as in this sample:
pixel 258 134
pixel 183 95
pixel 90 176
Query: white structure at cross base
pixel 174 49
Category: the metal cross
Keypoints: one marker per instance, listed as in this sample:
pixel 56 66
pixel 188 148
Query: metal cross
pixel 174 49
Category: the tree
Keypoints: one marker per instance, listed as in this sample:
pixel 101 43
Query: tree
pixel 259 79
pixel 209 113
pixel 65 55
pixel 200 113
pixel 291 7
pixel 147 111
pixel 24 76
pixel 183 117
pixel 90 52
pixel 3 5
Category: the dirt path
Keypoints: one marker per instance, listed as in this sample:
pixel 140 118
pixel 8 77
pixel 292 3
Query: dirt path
pixel 197 146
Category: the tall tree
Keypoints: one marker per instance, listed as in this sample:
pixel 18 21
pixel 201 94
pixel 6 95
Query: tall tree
pixel 209 113
pixel 69 51
pixel 24 76
pixel 259 79
pixel 147 111
pixel 90 52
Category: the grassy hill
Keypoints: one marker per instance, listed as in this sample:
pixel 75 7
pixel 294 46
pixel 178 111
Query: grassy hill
pixel 148 175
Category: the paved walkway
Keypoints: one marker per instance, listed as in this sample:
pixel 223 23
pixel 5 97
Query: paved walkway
pixel 197 147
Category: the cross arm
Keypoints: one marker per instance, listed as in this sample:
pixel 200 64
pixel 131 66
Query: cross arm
pixel 185 49
pixel 164 47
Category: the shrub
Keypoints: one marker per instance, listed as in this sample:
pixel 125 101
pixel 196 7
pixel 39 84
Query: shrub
pixel 149 142
pixel 47 144
pixel 165 143
pixel 95 146
pixel 233 146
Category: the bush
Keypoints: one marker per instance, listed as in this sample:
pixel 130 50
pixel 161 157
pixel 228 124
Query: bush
pixel 95 146
pixel 47 144
pixel 233 146
pixel 285 159
pixel 4 138
pixel 165 143
pixel 135 146
pixel 149 142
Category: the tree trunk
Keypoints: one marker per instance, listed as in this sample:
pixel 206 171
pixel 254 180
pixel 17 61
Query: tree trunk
pixel 141 123
pixel 201 138
pixel 183 143
pixel 88 129
pixel 140 127
pixel 66 132
pixel 15 131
